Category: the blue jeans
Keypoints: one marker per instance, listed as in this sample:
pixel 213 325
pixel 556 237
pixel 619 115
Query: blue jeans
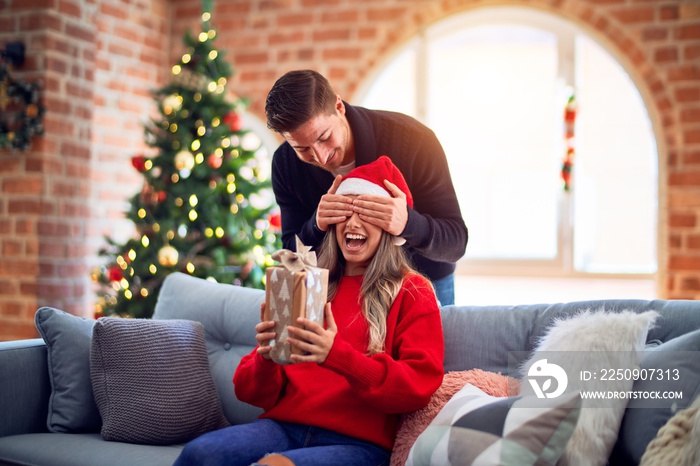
pixel 244 444
pixel 445 290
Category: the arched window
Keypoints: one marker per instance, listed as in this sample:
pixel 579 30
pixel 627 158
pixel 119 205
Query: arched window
pixel 494 84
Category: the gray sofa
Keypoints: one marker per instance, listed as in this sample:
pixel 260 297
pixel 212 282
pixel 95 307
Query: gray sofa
pixel 475 337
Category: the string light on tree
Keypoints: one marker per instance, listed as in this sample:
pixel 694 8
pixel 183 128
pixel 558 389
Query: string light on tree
pixel 172 103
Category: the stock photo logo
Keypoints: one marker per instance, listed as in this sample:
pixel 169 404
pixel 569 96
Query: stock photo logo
pixel 541 375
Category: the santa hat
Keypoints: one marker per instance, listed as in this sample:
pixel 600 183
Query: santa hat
pixel 369 179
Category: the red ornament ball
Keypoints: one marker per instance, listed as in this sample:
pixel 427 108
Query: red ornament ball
pixel 115 273
pixel 275 221
pixel 139 162
pixel 234 121
pixel 214 161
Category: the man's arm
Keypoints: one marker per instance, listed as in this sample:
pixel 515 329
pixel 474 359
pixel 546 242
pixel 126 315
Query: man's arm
pixel 436 238
pixel 434 227
pixel 446 239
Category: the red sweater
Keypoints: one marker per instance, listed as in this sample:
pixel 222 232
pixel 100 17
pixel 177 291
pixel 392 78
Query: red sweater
pixel 351 393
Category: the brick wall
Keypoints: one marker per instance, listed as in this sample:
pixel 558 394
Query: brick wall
pixel 99 58
pixel 45 191
pixel 97 61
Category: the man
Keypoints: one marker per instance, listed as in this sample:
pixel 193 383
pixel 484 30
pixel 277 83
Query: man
pixel 325 138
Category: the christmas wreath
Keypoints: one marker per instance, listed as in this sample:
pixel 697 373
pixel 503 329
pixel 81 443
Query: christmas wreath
pixel 21 112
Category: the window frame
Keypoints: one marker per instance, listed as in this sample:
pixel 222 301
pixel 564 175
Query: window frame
pixel 566 32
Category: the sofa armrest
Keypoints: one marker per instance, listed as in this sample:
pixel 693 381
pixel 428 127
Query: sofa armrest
pixel 24 387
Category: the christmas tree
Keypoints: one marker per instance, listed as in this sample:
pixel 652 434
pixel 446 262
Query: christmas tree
pixel 206 207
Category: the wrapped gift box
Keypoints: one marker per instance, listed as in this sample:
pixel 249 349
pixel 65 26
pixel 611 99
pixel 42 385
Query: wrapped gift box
pixel 296 288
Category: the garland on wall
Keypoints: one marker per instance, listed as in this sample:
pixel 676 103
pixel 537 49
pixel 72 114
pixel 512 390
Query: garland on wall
pixel 569 126
pixel 21 112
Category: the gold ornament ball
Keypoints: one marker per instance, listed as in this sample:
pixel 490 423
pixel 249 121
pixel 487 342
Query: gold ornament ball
pixel 168 256
pixel 184 160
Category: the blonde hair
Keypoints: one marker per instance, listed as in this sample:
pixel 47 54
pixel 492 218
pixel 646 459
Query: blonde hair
pixel 381 283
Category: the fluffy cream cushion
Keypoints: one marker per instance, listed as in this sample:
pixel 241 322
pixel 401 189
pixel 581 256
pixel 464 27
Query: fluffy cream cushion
pixel 592 341
pixel 412 424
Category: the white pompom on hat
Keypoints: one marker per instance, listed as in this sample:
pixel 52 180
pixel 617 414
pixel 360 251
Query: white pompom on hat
pixel 369 179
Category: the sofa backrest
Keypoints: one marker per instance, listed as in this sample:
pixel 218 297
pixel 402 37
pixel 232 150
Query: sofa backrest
pixel 482 336
pixel 475 336
pixel 229 314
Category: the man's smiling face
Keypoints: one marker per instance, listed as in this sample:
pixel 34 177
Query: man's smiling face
pixel 323 140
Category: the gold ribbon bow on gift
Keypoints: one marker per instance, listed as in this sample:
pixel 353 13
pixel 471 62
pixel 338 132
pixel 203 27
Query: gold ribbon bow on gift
pixel 296 261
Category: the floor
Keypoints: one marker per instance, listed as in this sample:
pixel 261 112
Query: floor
pixel 484 290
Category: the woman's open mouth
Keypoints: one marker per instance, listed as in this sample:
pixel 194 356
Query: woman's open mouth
pixel 354 241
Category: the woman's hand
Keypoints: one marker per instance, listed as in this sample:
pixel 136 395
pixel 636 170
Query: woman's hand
pixel 314 340
pixel 264 334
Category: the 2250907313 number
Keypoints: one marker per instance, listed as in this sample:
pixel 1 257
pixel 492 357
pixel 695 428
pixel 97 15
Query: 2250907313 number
pixel 633 374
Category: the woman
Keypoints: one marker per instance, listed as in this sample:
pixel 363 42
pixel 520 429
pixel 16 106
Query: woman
pixel 379 355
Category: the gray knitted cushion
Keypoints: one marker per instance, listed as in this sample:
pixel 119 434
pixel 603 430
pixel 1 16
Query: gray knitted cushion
pixel 151 381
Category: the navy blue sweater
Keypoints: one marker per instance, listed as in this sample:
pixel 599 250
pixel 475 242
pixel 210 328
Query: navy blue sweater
pixel 436 236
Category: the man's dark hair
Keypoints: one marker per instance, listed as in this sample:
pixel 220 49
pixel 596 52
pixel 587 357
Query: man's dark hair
pixel 297 97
